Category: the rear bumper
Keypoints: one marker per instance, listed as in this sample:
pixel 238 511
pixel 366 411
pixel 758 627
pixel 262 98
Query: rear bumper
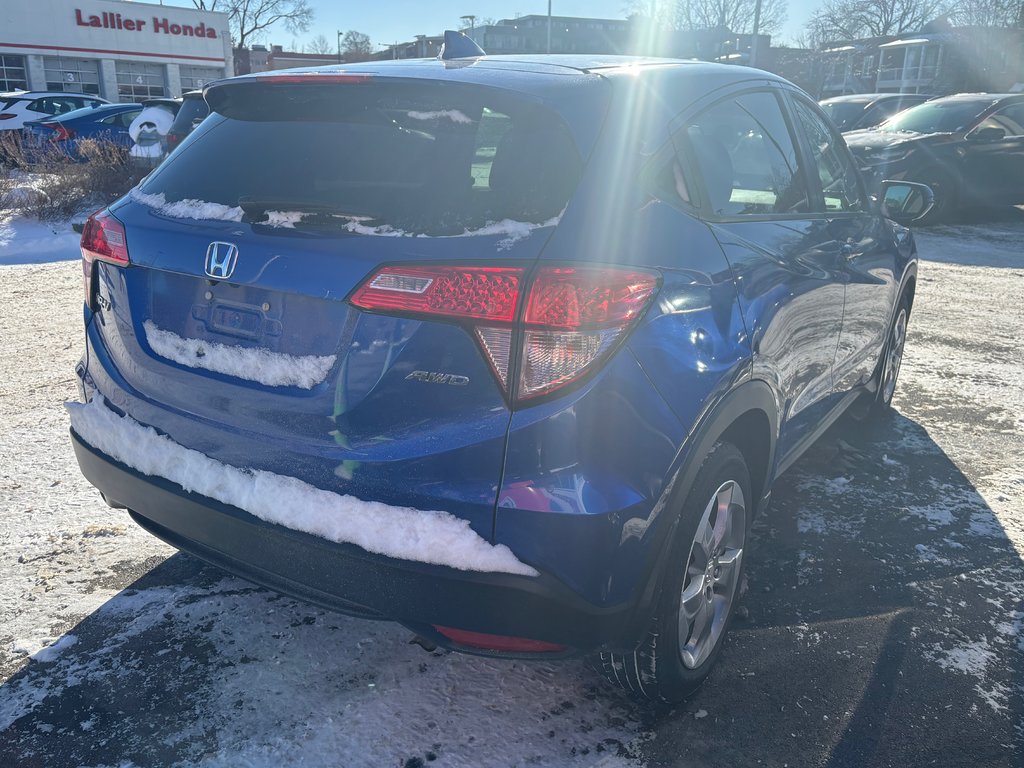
pixel 350 580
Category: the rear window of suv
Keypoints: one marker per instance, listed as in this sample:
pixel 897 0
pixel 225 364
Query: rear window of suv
pixel 192 111
pixel 427 158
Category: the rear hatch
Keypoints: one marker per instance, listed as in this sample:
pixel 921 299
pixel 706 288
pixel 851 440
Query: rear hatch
pixel 234 331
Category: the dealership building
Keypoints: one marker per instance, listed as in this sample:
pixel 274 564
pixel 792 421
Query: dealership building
pixel 121 51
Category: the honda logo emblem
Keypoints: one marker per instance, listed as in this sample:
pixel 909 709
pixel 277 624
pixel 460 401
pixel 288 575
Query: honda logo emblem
pixel 220 260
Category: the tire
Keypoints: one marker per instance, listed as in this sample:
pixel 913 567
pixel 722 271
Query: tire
pixel 662 668
pixel 889 365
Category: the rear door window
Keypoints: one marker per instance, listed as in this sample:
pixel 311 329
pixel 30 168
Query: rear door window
pixel 191 113
pixel 746 157
pixel 417 159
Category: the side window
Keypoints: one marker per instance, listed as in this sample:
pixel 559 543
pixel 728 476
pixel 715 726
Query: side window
pixel 45 106
pixel 746 157
pixel 1010 119
pixel 114 119
pixel 836 171
pixel 126 118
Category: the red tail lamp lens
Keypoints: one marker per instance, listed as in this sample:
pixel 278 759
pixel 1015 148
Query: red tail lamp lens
pixel 103 239
pixel 574 315
pixel 60 132
pixel 570 297
pixel 479 293
pixel 501 643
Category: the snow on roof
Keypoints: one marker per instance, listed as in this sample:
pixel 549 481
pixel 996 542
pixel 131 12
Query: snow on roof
pixel 433 537
pixel 912 41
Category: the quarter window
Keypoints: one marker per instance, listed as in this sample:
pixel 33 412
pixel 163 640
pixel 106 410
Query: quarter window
pixel 746 157
pixel 835 168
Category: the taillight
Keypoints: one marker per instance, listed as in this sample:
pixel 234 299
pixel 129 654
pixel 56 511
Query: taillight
pixel 542 338
pixel 500 643
pixel 60 132
pixel 103 239
pixel 172 140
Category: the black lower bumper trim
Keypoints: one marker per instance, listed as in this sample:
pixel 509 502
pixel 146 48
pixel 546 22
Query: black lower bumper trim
pixel 348 579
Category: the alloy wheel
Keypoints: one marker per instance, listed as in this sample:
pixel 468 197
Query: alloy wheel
pixel 712 574
pixel 894 356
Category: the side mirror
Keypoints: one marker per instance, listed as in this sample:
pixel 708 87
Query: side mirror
pixel 905 202
pixel 987 135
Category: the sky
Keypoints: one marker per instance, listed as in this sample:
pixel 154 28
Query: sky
pixel 388 21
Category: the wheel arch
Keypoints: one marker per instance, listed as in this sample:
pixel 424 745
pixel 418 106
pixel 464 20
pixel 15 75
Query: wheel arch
pixel 748 417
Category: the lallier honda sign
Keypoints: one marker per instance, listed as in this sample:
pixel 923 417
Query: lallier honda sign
pixel 108 20
pixel 113 29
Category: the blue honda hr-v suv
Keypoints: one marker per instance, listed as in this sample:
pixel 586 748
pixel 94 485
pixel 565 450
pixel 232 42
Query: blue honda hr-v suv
pixel 507 349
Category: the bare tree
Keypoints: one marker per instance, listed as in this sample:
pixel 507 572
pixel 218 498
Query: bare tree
pixel 734 15
pixel 355 46
pixel 987 13
pixel 320 44
pixel 250 19
pixel 853 19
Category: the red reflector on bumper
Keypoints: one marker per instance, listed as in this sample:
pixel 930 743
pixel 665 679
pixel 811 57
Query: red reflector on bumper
pixel 497 642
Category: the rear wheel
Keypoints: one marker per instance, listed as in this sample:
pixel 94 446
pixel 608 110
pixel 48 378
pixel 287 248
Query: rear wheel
pixel 700 586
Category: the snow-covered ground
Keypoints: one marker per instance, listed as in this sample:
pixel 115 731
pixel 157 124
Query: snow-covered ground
pixel 885 617
pixel 26 240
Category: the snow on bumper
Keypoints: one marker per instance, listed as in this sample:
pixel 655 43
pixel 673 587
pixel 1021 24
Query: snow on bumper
pixel 432 537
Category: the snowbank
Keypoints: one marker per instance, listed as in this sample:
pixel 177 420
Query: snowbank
pixel 275 369
pixel 438 538
pixel 30 241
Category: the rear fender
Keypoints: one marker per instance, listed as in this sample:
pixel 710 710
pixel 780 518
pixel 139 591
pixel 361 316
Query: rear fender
pixel 752 395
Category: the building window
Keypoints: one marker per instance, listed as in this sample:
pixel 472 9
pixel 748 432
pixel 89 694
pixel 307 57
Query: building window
pixel 138 80
pixel 12 73
pixel 72 75
pixel 194 78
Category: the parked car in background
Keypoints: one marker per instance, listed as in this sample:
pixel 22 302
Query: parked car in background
pixel 19 107
pixel 866 110
pixel 969 148
pixel 191 113
pixel 509 353
pixel 61 134
pixel 149 130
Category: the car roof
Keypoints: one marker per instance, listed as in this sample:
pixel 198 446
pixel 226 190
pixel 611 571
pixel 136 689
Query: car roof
pixel 869 98
pixel 523 72
pixel 37 94
pixel 990 97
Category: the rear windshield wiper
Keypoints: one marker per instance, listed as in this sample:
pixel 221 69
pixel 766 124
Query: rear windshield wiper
pixel 258 208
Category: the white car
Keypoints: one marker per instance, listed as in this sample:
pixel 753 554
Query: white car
pixel 19 107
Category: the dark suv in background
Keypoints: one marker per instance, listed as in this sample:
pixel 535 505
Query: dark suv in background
pixel 866 110
pixel 190 114
pixel 509 350
pixel 969 148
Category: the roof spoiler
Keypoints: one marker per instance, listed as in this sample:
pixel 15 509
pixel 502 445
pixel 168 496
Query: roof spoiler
pixel 459 46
